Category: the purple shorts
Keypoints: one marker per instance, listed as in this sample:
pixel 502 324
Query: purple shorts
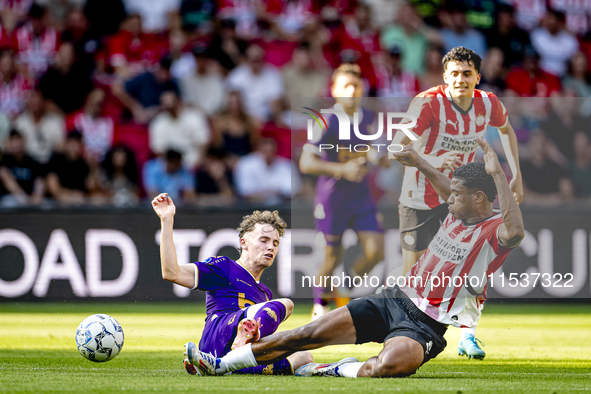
pixel 219 333
pixel 367 219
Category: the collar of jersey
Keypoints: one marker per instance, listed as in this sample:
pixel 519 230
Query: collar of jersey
pixel 247 270
pixel 495 213
pixel 457 107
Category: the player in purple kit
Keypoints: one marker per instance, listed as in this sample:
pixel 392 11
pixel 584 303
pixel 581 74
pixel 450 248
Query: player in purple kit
pixel 240 309
pixel 343 198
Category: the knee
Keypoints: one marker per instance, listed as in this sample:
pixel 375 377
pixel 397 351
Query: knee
pixel 288 306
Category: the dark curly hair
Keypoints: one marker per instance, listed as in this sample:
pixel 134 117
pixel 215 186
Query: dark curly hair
pixel 461 54
pixel 475 177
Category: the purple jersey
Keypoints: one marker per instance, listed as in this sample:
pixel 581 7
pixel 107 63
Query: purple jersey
pixel 230 289
pixel 342 195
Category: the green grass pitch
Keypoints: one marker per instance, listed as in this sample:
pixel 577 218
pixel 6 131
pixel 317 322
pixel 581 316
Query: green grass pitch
pixel 530 348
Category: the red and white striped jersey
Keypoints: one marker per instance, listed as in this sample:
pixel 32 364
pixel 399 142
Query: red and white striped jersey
pixel 14 95
pixel 97 133
pixel 36 52
pixel 449 281
pixel 442 126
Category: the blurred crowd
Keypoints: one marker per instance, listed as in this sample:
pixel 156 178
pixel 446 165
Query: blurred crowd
pixel 113 101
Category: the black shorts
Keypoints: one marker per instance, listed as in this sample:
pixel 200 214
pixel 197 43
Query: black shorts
pixel 390 314
pixel 418 227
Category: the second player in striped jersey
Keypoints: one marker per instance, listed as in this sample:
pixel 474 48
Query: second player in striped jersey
pixel 449 119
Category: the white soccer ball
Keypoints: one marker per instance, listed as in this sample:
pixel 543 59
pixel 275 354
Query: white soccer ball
pixel 99 338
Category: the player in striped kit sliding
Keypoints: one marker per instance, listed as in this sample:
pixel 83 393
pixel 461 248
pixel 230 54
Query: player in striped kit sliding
pixel 450 118
pixel 472 243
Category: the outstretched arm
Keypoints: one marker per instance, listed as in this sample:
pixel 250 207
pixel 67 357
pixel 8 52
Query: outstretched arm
pixel 409 157
pixel 183 275
pixel 509 142
pixel 511 232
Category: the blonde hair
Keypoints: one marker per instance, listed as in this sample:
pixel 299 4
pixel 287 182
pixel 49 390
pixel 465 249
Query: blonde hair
pixel 347 68
pixel 266 217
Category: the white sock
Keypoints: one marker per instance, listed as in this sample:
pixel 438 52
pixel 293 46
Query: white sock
pixel 243 357
pixel 350 370
pixel 471 331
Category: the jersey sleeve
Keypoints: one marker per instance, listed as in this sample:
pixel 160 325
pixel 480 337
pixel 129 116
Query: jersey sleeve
pixel 498 112
pixel 421 108
pixel 214 273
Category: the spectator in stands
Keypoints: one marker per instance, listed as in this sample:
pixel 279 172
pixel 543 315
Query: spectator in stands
pixel 580 165
pixel 69 177
pixel 204 89
pixel 545 182
pixel 393 80
pixel 226 48
pixel 43 132
pixel 120 176
pixel 167 173
pixel 66 83
pixel 180 128
pixel 506 36
pixel 492 72
pixel 433 75
pixel 278 128
pixel 264 177
pixel 97 131
pixel 86 47
pixel 14 88
pixel 301 78
pixel 132 52
pixel 530 80
pixel 563 121
pixel 459 34
pixel 259 83
pixel 578 78
pixel 407 34
pixel 141 95
pixel 554 43
pixel 234 131
pixel 214 180
pixel 183 62
pixel 104 17
pixel 36 42
pixel 154 13
pixel 21 181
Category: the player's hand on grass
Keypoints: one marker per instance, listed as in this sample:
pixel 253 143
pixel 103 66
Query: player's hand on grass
pixel 491 161
pixel 354 170
pixel 164 206
pixel 516 187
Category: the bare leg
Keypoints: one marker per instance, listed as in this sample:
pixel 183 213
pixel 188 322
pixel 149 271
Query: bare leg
pixel 409 259
pixel 373 251
pixel 334 328
pixel 331 260
pixel 300 358
pixel 400 357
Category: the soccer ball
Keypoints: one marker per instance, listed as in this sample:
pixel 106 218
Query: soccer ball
pixel 99 338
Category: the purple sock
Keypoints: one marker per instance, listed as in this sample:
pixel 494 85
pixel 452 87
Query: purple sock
pixel 319 295
pixel 271 315
pixel 282 367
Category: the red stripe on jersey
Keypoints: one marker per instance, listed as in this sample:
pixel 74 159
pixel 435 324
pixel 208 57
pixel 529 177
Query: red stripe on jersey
pixel 433 261
pixel 471 157
pixel 436 295
pixel 436 106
